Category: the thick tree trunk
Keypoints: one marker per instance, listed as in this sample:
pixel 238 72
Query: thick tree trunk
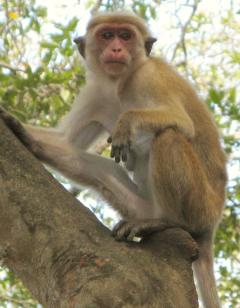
pixel 67 258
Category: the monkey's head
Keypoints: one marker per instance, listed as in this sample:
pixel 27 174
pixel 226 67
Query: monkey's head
pixel 115 43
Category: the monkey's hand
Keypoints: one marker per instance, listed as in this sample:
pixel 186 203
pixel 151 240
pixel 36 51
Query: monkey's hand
pixel 19 131
pixel 121 140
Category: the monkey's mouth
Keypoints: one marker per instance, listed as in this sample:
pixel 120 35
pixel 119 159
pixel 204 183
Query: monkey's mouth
pixel 115 62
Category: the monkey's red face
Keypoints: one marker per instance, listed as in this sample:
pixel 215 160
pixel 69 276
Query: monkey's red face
pixel 116 44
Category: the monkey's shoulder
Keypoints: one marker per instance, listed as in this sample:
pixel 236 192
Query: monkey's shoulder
pixel 157 80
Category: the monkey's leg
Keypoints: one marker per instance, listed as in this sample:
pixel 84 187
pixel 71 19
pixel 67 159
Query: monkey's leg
pixel 180 187
pixel 100 173
pixel 181 194
pixel 182 190
pixel 128 229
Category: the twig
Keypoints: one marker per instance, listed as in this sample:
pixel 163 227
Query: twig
pixel 182 41
pixel 8 66
pixel 19 302
pixel 96 7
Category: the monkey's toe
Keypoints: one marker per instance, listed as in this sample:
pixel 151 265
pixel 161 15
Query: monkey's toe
pixel 122 230
pixel 127 231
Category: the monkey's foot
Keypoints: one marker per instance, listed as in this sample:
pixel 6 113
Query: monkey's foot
pixel 19 131
pixel 127 230
pixel 9 120
pixel 172 233
pixel 15 126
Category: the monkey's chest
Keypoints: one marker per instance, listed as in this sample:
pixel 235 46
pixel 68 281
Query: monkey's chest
pixel 138 161
pixel 142 143
pixel 139 152
pixel 141 173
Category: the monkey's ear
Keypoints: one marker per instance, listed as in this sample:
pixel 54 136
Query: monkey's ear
pixel 149 44
pixel 80 41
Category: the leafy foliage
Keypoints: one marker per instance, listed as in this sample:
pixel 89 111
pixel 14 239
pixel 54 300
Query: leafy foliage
pixel 40 74
pixel 13 292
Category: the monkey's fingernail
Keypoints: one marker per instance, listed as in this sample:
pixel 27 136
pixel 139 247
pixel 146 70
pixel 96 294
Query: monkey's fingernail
pixel 117 159
pixel 124 158
pixel 113 152
pixel 124 153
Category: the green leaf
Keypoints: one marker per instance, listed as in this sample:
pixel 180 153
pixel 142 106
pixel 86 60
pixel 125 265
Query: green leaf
pixel 58 38
pixel 72 25
pixel 41 11
pixel 49 45
pixel 216 96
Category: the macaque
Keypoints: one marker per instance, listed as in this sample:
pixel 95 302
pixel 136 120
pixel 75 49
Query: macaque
pixel 172 168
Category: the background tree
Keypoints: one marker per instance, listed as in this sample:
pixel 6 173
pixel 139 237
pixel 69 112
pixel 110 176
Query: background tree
pixel 40 73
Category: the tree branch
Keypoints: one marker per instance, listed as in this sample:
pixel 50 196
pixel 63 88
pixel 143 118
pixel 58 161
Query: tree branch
pixel 8 66
pixel 182 42
pixel 66 258
pixel 96 7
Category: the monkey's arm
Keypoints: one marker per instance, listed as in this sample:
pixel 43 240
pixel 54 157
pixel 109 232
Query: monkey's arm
pixel 86 137
pixel 100 173
pixel 149 120
pixel 80 127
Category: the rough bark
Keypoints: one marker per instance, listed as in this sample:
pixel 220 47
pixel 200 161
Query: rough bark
pixel 67 258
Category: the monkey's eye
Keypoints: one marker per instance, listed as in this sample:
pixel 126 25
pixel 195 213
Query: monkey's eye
pixel 107 35
pixel 125 35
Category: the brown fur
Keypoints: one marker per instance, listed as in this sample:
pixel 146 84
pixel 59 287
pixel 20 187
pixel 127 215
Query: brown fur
pixel 116 18
pixel 178 166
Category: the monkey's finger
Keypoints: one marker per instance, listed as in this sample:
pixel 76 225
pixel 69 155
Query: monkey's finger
pixel 116 153
pixel 125 150
pixel 140 231
pixel 117 227
pixel 123 233
pixel 124 153
pixel 112 154
pixel 122 230
pixel 134 232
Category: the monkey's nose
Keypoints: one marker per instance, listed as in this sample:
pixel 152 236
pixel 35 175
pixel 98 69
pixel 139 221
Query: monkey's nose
pixel 116 49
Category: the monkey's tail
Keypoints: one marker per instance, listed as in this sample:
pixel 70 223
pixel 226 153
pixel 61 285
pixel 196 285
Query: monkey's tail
pixel 204 274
